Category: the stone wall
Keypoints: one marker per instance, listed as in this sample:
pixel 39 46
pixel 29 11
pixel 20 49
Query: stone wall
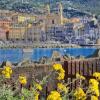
pixel 37 71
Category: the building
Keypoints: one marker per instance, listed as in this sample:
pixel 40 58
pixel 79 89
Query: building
pixel 35 31
pixel 46 26
pixel 53 19
pixel 6 13
pixel 22 17
pixel 44 22
pixel 5 24
pixel 2 34
pixel 17 31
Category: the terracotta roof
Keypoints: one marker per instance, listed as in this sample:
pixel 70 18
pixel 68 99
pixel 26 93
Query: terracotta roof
pixel 75 20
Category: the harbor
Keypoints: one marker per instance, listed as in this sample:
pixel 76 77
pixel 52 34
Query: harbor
pixel 16 55
pixel 49 50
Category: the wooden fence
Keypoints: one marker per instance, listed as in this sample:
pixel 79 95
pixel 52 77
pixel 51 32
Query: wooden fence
pixel 85 67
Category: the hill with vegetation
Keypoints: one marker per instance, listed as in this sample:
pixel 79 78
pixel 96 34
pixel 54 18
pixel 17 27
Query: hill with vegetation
pixel 92 6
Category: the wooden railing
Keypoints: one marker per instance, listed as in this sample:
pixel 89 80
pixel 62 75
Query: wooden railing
pixel 85 67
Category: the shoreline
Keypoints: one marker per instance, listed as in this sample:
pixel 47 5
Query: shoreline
pixel 40 46
pixel 56 45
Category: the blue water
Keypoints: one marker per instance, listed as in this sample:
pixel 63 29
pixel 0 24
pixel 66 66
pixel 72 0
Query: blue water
pixel 38 53
pixel 13 55
pixel 16 55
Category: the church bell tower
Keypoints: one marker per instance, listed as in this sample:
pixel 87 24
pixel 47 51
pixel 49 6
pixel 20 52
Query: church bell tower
pixel 60 12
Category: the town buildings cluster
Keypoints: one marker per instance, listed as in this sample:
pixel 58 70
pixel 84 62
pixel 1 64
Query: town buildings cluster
pixel 49 26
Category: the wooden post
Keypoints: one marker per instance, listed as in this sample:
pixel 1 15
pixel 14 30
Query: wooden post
pixel 96 65
pixel 83 68
pixel 66 70
pixel 46 92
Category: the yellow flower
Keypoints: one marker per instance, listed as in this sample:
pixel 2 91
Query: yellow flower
pixel 93 86
pixel 7 71
pixel 7 75
pixel 93 82
pixel 22 80
pixel 62 87
pixel 97 75
pixel 36 93
pixel 79 94
pixel 61 71
pixel 57 67
pixel 61 76
pixel 94 90
pixel 3 72
pixel 36 96
pixel 54 95
pixel 94 98
pixel 78 76
pixel 38 87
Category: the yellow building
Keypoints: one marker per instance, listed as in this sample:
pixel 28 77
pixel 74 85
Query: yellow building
pixel 21 17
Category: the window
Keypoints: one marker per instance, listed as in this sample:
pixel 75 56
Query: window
pixel 53 21
pixel 58 31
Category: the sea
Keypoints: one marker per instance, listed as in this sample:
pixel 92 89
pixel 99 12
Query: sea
pixel 17 55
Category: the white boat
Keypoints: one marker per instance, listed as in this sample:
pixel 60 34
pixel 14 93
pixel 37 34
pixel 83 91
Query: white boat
pixel 26 50
pixel 27 53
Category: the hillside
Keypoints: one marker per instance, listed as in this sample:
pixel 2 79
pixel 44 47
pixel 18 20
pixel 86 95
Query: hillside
pixel 92 6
